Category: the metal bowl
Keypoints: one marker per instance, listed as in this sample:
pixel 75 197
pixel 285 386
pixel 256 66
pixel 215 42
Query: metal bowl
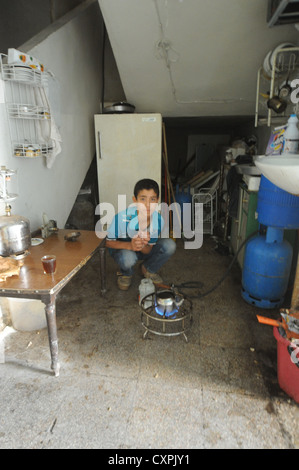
pixel 121 107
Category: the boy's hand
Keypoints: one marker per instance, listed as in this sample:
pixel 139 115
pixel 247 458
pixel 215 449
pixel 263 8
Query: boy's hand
pixel 140 240
pixel 144 235
pixel 136 243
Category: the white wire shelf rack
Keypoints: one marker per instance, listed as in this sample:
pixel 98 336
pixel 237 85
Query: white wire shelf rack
pixel 277 72
pixel 31 150
pixel 208 198
pixel 28 110
pixel 24 74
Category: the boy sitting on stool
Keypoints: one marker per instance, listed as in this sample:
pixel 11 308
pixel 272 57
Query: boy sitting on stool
pixel 134 235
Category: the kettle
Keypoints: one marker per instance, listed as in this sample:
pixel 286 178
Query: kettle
pixel 15 235
pixel 168 302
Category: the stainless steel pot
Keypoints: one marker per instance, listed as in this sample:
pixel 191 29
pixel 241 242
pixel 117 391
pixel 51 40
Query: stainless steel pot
pixel 15 235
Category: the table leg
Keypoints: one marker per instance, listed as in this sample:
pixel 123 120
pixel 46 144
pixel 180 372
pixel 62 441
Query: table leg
pixel 50 309
pixel 103 269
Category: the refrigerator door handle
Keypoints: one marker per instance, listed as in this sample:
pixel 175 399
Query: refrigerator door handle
pixel 99 140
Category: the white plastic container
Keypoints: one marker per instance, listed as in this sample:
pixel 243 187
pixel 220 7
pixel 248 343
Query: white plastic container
pixel 27 314
pixel 146 287
pixel 291 136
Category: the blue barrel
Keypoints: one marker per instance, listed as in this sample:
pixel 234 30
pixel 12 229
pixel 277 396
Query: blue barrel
pixel 266 269
pixel 182 197
pixel 276 207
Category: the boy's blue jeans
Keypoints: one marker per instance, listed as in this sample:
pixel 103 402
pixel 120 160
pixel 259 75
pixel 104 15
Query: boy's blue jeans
pixel 159 254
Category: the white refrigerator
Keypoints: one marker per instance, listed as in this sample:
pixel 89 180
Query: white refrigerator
pixel 128 148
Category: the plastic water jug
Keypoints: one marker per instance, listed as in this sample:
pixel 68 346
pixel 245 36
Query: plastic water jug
pixel 291 136
pixel 146 287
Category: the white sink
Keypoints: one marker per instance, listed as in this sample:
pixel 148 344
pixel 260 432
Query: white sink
pixel 281 170
pixel 247 169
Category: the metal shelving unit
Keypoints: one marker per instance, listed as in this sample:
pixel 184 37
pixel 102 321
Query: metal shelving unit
pixel 28 110
pixel 285 67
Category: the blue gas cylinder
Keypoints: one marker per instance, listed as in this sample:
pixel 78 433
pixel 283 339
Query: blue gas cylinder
pixel 266 269
pixel 276 207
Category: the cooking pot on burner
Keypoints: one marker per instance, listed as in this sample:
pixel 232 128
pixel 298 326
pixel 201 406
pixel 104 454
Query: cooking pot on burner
pixel 15 235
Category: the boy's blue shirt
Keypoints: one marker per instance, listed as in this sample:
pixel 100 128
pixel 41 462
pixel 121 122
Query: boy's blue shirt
pixel 125 225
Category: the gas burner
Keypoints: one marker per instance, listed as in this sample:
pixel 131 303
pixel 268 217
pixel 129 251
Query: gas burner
pixel 166 313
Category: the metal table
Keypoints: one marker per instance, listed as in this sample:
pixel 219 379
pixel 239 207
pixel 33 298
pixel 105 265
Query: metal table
pixel 32 283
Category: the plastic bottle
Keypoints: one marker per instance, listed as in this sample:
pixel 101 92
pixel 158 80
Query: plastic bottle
pixel 291 136
pixel 146 287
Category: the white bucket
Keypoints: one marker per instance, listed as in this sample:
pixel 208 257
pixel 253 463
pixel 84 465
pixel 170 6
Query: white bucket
pixel 27 314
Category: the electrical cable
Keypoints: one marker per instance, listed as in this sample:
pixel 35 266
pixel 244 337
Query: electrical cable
pixel 103 66
pixel 194 284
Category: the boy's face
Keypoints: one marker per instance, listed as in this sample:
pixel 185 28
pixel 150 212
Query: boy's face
pixel 147 200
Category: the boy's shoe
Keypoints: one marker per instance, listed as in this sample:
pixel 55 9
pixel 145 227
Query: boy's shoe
pixel 153 276
pixel 123 282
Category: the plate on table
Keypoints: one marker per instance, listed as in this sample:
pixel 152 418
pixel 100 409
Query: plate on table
pixel 36 241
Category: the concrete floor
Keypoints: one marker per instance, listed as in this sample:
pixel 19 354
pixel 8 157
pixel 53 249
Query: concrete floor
pixel 117 390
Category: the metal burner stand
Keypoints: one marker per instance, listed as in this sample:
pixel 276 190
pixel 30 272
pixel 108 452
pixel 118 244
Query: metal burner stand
pixel 173 325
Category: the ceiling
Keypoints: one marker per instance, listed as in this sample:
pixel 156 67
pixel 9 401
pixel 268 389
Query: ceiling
pixel 187 58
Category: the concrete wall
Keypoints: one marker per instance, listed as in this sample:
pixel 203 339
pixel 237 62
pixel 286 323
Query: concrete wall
pixel 71 49
pixel 212 50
